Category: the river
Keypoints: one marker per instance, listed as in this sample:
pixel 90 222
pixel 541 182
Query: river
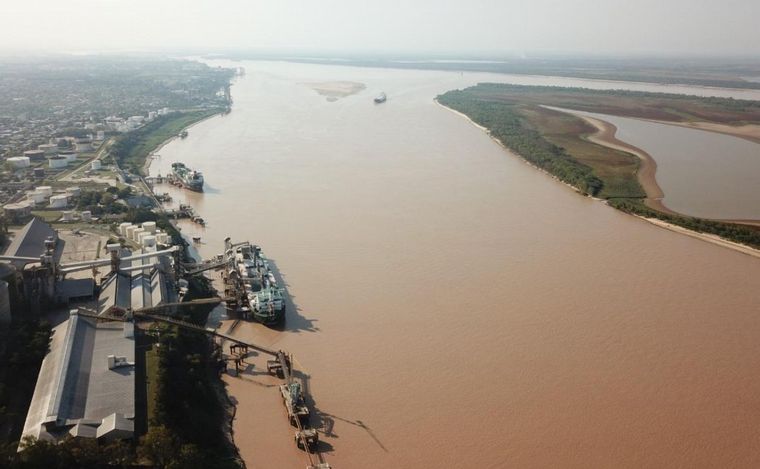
pixel 455 307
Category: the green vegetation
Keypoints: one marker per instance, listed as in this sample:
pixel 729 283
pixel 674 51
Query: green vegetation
pixel 23 345
pixel 80 453
pixel 131 149
pixel 731 231
pixel 505 123
pixel 101 202
pixel 557 142
pixel 189 417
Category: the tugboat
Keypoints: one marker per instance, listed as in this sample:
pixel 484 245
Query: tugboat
pixel 187 177
pixel 381 98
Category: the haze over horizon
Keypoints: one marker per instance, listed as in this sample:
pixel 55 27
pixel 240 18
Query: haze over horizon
pixel 647 27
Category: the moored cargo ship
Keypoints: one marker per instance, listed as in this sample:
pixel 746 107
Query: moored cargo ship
pixel 259 293
pixel 187 177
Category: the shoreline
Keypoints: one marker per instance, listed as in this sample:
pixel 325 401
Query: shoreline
pixel 706 237
pixel 510 152
pixel 149 158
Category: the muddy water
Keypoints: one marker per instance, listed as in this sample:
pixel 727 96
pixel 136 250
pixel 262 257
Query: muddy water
pixel 703 174
pixel 453 306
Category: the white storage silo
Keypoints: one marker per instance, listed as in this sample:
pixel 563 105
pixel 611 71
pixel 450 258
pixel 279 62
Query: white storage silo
pixel 70 156
pixel 47 190
pixel 57 162
pixel 149 226
pixel 136 234
pixel 123 228
pixel 49 149
pixel 36 197
pixel 130 230
pixel 19 162
pixel 95 165
pixel 149 241
pixel 59 201
pixel 86 215
pixel 67 216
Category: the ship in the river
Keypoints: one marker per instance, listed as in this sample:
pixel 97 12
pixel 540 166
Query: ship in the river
pixel 381 98
pixel 255 284
pixel 187 177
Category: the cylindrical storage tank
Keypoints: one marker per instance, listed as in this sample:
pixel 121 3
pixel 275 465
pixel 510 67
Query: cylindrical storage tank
pixel 5 303
pixel 70 156
pixel 49 149
pixel 84 145
pixel 149 226
pixel 123 228
pixel 18 162
pixel 36 197
pixel 136 234
pixel 74 191
pixel 68 216
pixel 57 162
pixel 86 215
pixel 142 236
pixel 47 190
pixel 96 165
pixel 130 230
pixel 59 201
pixel 39 172
pixel 35 155
pixel 149 241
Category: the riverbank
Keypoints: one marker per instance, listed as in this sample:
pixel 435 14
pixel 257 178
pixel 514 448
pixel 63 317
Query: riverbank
pixel 527 130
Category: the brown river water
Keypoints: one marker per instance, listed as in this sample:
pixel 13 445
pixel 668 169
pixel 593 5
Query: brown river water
pixel 455 307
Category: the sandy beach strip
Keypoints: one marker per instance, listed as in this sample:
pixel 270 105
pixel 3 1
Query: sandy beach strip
pixel 334 90
pixel 749 132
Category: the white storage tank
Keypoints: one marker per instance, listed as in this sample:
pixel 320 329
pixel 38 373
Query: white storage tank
pixel 74 191
pixel 86 215
pixel 47 190
pixel 96 165
pixel 130 230
pixel 70 156
pixel 49 149
pixel 59 201
pixel 149 241
pixel 141 237
pixel 149 226
pixel 67 216
pixel 123 228
pixel 36 197
pixel 57 162
pixel 18 162
pixel 136 234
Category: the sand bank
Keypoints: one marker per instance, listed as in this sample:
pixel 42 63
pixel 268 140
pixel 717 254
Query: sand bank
pixel 334 90
pixel 749 132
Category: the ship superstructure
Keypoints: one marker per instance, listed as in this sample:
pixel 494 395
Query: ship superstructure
pixel 187 177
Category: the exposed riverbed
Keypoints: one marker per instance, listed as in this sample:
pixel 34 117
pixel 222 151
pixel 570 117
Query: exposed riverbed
pixel 456 307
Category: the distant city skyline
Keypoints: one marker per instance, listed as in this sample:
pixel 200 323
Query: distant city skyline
pixel 487 27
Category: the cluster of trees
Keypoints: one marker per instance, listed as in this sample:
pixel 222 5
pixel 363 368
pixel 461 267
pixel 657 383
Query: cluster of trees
pixel 191 417
pixel 82 453
pixel 23 345
pixel 506 124
pixel 731 231
pixel 104 202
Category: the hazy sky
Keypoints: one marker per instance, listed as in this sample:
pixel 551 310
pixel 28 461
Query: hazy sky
pixel 585 26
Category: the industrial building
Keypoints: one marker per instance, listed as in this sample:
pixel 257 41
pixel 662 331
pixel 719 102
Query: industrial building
pixel 86 386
